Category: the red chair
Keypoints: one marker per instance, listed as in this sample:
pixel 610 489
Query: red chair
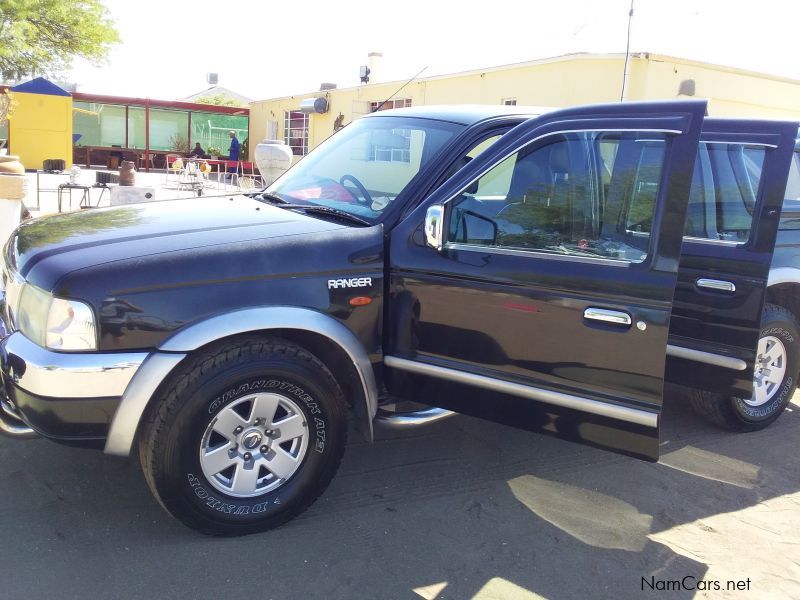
pixel 231 167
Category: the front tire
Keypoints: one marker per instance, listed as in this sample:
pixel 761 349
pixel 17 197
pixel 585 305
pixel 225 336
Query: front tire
pixel 774 381
pixel 245 438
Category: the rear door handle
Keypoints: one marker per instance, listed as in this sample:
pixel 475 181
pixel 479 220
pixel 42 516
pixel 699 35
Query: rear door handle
pixel 716 285
pixel 616 317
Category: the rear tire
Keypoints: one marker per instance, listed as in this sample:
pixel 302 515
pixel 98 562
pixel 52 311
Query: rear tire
pixel 246 437
pixel 779 353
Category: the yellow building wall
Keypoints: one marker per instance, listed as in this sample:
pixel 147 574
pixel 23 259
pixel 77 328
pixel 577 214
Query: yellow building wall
pixel 558 82
pixel 41 128
pixel 553 84
pixel 731 92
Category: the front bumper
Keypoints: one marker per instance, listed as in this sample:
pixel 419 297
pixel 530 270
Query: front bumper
pixel 64 396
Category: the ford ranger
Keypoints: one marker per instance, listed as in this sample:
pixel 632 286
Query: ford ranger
pixel 546 269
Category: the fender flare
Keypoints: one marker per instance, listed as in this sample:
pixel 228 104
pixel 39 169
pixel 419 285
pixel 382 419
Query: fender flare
pixel 174 349
pixel 783 275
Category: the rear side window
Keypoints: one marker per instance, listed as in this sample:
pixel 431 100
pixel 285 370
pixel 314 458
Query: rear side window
pixel 793 182
pixel 724 191
pixel 736 188
pixel 790 218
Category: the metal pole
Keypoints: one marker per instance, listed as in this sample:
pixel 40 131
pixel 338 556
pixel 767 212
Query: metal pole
pixel 147 135
pixel 626 73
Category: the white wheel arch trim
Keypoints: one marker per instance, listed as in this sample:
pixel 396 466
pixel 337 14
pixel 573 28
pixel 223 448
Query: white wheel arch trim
pixel 783 275
pixel 172 351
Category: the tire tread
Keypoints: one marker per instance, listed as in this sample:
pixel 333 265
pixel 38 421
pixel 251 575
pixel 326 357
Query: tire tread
pixel 152 437
pixel 718 408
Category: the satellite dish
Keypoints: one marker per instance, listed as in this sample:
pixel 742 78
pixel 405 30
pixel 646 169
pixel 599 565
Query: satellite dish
pixel 212 78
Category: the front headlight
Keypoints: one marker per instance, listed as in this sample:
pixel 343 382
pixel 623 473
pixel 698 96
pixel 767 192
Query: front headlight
pixel 55 323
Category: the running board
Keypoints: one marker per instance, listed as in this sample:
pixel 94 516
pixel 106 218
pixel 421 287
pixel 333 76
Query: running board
pixel 406 420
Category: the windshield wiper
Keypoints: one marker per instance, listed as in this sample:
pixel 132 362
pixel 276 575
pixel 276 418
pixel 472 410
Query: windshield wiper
pixel 327 210
pixel 267 197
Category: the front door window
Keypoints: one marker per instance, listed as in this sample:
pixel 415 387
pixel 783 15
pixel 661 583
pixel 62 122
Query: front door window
pixel 589 194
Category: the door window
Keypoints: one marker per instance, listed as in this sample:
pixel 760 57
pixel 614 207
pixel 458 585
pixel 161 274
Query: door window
pixel 585 194
pixel 793 181
pixel 724 191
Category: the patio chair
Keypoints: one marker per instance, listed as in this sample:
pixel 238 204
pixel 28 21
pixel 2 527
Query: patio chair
pixel 249 178
pixel 231 171
pixel 174 166
pixel 192 177
pixel 143 162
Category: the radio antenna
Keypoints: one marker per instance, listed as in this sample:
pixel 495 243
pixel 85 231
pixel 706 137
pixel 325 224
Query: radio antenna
pixel 400 89
pixel 627 56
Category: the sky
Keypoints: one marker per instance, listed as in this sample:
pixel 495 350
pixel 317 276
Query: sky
pixel 265 49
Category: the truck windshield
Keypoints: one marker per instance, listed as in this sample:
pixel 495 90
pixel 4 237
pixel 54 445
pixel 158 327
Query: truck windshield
pixel 364 167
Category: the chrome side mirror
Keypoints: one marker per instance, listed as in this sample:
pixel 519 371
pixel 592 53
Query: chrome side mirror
pixel 434 221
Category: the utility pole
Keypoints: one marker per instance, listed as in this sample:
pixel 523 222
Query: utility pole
pixel 626 73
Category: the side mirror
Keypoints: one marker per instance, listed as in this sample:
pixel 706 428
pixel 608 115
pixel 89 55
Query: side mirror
pixel 434 226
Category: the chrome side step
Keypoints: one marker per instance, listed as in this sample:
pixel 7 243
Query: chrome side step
pixel 406 420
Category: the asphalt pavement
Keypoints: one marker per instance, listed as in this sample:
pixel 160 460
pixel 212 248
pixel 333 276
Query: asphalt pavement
pixel 463 509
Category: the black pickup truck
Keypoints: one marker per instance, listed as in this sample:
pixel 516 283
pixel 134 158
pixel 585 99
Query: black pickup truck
pixel 546 269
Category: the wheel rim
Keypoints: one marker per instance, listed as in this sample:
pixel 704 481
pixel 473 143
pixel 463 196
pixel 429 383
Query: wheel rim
pixel 770 370
pixel 254 445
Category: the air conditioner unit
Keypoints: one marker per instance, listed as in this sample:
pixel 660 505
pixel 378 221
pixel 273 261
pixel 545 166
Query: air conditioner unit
pixel 314 105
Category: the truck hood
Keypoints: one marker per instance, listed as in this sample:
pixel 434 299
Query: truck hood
pixel 47 248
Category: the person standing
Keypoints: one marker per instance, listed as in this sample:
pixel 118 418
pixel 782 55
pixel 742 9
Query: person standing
pixel 233 153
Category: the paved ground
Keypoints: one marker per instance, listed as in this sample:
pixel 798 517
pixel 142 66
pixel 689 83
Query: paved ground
pixel 46 202
pixel 465 509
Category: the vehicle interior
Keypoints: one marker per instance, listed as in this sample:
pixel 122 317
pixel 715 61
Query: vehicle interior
pixel 594 194
pixel 579 194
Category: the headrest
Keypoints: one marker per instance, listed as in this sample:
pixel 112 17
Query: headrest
pixel 559 158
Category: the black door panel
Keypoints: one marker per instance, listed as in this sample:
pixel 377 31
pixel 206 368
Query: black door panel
pixel 725 324
pixel 588 215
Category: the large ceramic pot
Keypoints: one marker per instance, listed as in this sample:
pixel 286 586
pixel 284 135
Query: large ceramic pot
pixel 127 173
pixel 273 158
pixel 11 164
pixel 13 187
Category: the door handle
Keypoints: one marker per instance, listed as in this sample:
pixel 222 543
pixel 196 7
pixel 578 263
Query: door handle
pixel 617 317
pixel 715 285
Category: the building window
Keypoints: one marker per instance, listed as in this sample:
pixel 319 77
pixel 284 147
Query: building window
pixel 509 101
pixel 397 152
pixel 389 104
pixel 399 149
pixel 296 131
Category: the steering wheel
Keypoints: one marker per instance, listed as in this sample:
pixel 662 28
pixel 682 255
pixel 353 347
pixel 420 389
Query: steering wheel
pixel 365 197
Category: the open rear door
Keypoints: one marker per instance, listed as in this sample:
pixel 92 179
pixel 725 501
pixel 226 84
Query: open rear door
pixel 732 222
pixel 545 304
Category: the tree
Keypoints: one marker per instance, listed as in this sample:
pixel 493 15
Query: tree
pixel 6 106
pixel 41 37
pixel 219 100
